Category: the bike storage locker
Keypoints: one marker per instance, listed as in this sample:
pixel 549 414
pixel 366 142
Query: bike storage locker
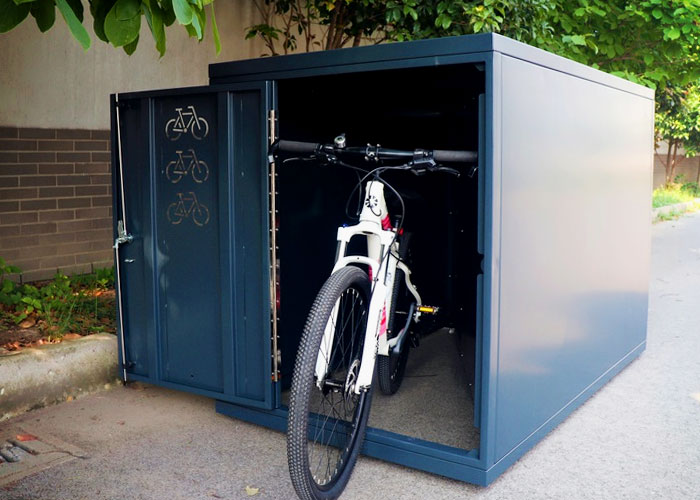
pixel 538 257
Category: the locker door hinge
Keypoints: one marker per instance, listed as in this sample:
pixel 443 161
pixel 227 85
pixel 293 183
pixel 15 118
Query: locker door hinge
pixel 122 235
pixel 272 125
pixel 274 261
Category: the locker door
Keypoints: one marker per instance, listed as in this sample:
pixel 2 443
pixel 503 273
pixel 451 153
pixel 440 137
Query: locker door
pixel 191 189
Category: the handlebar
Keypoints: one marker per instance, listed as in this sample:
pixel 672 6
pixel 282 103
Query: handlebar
pixel 376 152
pixel 297 147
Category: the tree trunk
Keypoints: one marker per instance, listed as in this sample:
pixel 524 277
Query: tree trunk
pixel 331 29
pixel 671 155
pixel 674 160
pixel 358 38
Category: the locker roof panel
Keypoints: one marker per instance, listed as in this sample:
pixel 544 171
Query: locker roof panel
pixel 425 52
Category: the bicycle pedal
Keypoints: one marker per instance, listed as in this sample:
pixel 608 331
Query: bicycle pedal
pixel 427 309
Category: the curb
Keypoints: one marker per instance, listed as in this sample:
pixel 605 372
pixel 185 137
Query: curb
pixel 678 208
pixel 41 376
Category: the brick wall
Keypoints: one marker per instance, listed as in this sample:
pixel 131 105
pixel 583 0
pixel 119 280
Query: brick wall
pixel 55 200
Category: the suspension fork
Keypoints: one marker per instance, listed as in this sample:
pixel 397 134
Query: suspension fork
pixel 378 241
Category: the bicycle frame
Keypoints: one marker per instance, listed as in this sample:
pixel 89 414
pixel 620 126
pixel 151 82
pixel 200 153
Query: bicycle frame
pixel 382 248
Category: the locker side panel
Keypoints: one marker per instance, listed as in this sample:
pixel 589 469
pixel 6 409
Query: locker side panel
pixel 574 243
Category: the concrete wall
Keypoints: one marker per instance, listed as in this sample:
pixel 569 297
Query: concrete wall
pixel 48 81
pixel 687 167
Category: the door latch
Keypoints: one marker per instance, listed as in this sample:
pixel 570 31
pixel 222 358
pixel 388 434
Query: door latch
pixel 122 235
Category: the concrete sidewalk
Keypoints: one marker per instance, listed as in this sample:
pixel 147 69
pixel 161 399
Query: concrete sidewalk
pixel 637 438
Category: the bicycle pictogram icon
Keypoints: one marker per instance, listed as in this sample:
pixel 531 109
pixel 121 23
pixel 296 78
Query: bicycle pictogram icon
pixel 186 121
pixel 187 162
pixel 186 206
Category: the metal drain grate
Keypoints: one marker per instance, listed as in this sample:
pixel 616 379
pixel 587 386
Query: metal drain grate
pixel 23 453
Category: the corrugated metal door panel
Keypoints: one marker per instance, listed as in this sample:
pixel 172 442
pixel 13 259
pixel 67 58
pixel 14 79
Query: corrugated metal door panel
pixel 195 277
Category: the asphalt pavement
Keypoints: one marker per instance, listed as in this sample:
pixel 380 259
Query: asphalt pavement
pixel 637 438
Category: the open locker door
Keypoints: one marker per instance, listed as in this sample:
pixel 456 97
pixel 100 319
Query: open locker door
pixel 192 251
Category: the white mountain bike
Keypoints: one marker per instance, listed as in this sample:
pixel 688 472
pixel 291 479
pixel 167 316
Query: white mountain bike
pixel 363 312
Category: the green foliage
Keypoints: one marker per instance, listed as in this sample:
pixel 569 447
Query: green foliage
pixel 61 305
pixel 289 25
pixel 11 14
pixel 7 286
pixel 652 42
pixel 114 21
pixel 44 12
pixel 678 116
pixel 678 123
pixel 70 15
pixel 671 194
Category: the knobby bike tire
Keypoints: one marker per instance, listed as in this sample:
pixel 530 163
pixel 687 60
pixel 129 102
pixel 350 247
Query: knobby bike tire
pixel 391 369
pixel 309 432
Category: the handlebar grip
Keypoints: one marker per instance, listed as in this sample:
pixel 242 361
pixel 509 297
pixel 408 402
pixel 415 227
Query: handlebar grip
pixel 455 156
pixel 297 147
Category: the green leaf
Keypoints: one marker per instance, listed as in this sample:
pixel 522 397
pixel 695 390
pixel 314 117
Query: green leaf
pixel 99 10
pixel 127 9
pixel 76 28
pixel 183 11
pixel 122 32
pixel 578 40
pixel 130 48
pixel 443 20
pixel 657 13
pixel 202 19
pixel 44 13
pixel 11 14
pixel 672 33
pixel 215 31
pixel 77 7
pixel 196 24
pixel 154 16
pixel 168 13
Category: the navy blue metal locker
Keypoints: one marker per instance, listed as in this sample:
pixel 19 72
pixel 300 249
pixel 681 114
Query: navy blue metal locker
pixel 547 253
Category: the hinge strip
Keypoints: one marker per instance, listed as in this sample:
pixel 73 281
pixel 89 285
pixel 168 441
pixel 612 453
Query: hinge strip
pixel 274 264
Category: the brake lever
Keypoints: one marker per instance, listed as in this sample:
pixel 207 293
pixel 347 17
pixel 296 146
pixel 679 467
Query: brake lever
pixel 450 171
pixel 325 158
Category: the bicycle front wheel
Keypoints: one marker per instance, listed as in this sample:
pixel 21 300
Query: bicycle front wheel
pixel 327 420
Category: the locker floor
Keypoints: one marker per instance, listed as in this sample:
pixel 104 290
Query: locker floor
pixel 434 402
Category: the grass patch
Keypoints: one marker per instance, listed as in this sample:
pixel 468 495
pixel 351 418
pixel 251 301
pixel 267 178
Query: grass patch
pixel 675 193
pixel 48 310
